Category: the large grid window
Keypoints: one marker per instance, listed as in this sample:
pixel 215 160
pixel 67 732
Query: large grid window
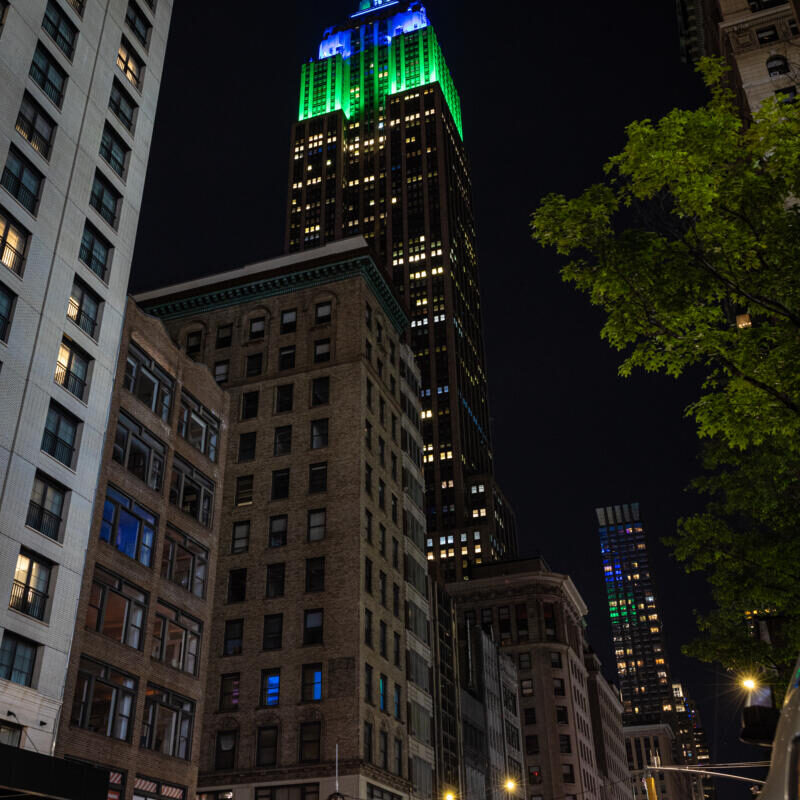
pixel 35 125
pixel 267 746
pixel 122 105
pixel 95 251
pixel 114 150
pixel 46 73
pixel 128 526
pixel 83 308
pixel 131 65
pixel 225 751
pixel 13 243
pixel 176 638
pixel 138 23
pixel 60 29
pixel 310 742
pixel 22 180
pixel 46 506
pixel 17 659
pixel 199 426
pixel 270 687
pixel 117 608
pixel 184 562
pixel 104 700
pixel 105 200
pixel 191 491
pixel 139 451
pixel 167 723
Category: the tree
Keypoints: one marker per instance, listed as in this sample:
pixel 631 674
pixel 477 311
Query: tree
pixel 691 245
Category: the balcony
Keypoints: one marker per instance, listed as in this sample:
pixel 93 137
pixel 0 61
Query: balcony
pixel 65 44
pixel 93 262
pixel 70 381
pixel 37 141
pixel 81 318
pixel 77 5
pixel 104 211
pixel 28 600
pixel 58 448
pixel 18 189
pixel 11 257
pixel 53 91
pixel 42 520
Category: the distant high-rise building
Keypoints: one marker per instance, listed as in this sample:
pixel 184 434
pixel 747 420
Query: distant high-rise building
pixel 378 150
pixel 79 83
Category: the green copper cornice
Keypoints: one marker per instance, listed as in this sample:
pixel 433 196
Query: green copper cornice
pixel 263 287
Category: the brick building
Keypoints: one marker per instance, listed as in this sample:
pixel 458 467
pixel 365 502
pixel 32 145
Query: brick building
pixel 135 686
pixel 320 649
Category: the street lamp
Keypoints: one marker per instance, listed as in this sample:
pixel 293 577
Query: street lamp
pixel 749 683
pixel 511 785
pixel 449 796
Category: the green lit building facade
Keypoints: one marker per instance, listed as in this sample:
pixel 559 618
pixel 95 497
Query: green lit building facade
pixel 378 150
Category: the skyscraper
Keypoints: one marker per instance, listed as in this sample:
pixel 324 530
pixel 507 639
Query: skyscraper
pixel 378 150
pixel 79 83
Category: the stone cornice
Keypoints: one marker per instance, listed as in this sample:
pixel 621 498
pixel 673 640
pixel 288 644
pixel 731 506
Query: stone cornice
pixel 234 293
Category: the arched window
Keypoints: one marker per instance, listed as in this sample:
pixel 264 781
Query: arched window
pixel 777 65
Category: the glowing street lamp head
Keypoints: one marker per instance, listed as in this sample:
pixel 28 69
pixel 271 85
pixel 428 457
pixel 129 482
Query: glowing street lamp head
pixel 511 784
pixel 749 684
pixel 449 796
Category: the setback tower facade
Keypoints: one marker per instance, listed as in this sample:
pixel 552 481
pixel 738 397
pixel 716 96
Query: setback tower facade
pixel 378 150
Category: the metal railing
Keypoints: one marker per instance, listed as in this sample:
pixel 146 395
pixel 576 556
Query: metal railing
pixel 57 447
pixel 125 118
pixel 62 41
pixel 17 188
pixel 81 318
pixel 114 162
pixel 38 142
pixel 77 5
pixel 92 261
pixel 28 600
pixel 42 520
pixel 70 381
pixel 4 326
pixel 11 257
pixel 54 92
pixel 104 211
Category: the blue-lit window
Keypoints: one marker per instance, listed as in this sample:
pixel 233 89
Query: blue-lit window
pixel 131 528
pixel 312 683
pixel 270 687
pixel 382 692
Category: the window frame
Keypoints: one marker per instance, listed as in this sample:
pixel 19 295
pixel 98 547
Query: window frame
pixel 183 709
pixel 139 366
pixel 107 585
pixel 148 523
pixel 125 688
pixel 188 660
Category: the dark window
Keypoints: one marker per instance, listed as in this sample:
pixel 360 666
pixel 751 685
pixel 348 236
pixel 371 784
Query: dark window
pixel 222 371
pixel 224 336
pixel 534 775
pixel 249 405
pixel 320 391
pixel 289 320
pixel 117 608
pixel 318 477
pixel 60 429
pixel 273 631
pixel 310 733
pixel 122 105
pixel 368 316
pixel 241 536
pixel 311 687
pixel 776 66
pixel 286 357
pixel 10 734
pixel 35 126
pixel 555 660
pixel 46 73
pixel 367 627
pixel 83 308
pixel 368 742
pixel 277 530
pixel 276 580
pixel 368 681
pixel 244 490
pixel 128 526
pixel 199 426
pixel 31 583
pixel 398 757
pixel 759 5
pixel 105 200
pixel 17 657
pixel 225 752
pixel 530 716
pixel 315 574
pixel 138 23
pixel 787 94
pixel 267 746
pixel 184 562
pixel 368 434
pixel 104 700
pixel 568 773
pixel 383 749
pixel 46 506
pixel 283 397
pixel 62 31
pixel 257 328
pixel 22 180
pixel 280 484
pixel 237 585
pixel 368 575
pixel 396 600
pixel 766 35
pixel 114 150
pixel 368 479
pixel 270 686
pixel 312 626
pixel 234 631
pixel 253 365
pixel 229 692
pixel 532 745
pixel 13 242
pixel 283 441
pixel 130 64
pixel 247 446
pixel 564 743
pixel 316 524
pixel 562 717
pixel 176 638
pixel 398 702
pixel 194 343
pixel 141 453
pixel 322 350
pixel 319 433
pixel 151 384
pixel 323 312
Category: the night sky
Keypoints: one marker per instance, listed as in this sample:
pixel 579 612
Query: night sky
pixel 546 91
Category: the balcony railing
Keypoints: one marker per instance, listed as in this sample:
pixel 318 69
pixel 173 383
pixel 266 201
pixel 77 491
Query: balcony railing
pixel 77 5
pixel 113 160
pixel 104 211
pixel 38 142
pixel 125 117
pixel 17 188
pixel 62 41
pixel 70 381
pixel 42 520
pixel 52 90
pixel 81 318
pixel 93 262
pixel 28 600
pixel 58 448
